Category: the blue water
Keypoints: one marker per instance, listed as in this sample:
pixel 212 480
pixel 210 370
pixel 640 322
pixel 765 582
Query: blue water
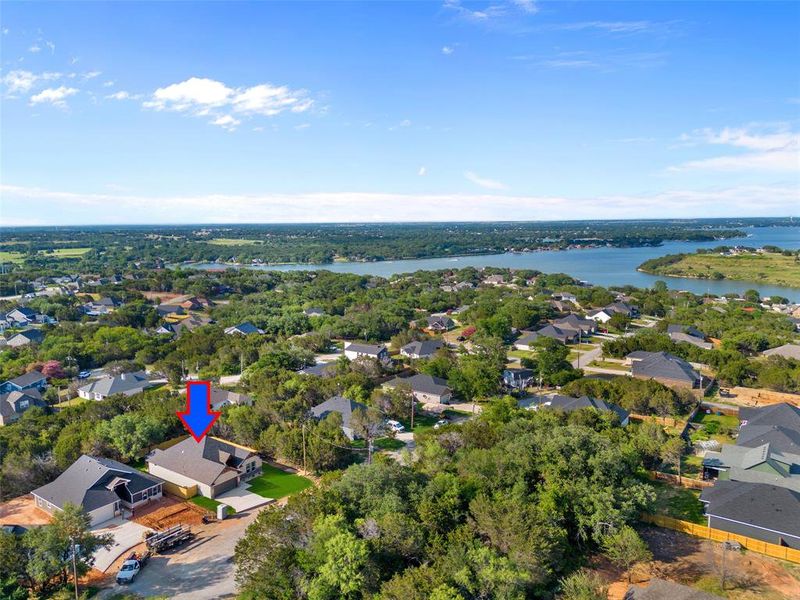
pixel 600 266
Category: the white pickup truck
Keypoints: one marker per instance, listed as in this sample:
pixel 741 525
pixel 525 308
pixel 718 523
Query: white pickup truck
pixel 131 567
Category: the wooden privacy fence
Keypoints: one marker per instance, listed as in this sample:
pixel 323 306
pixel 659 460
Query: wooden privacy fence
pixel 717 535
pixel 687 482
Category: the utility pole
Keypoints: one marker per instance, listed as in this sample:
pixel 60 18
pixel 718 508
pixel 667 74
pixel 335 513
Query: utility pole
pixel 74 568
pixel 412 411
pixel 369 450
pixel 304 448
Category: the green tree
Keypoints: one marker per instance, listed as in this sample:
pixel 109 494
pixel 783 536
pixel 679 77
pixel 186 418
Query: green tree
pixel 583 585
pixel 342 573
pixel 625 548
pixel 130 434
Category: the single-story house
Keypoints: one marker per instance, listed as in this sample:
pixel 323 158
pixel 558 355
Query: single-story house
pixel 518 378
pixel 245 328
pixel 572 321
pixel 423 349
pixel 169 310
pixel 690 335
pixel 13 404
pixel 101 486
pixel 220 398
pixel 777 425
pixel 344 406
pixel 425 388
pixel 564 336
pixel 102 306
pixel 127 384
pixel 570 404
pixel 761 464
pixel 354 350
pixel 21 316
pixel 23 338
pixel 32 380
pixel 213 465
pixel 314 312
pixel 665 368
pixel 603 315
pixel 179 327
pixel 440 323
pixel 786 351
pixel 494 280
pixel 765 512
pixel 565 297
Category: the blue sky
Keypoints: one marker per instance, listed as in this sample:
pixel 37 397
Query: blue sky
pixel 335 111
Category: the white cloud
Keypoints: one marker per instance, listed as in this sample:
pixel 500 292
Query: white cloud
pixel 35 49
pixel 208 97
pixel 227 122
pixel 6 30
pixel 123 95
pixel 54 207
pixel 528 6
pixel 19 81
pixel 447 50
pixel 766 148
pixel 91 75
pixel 422 171
pixel 489 184
pixel 108 83
pixel 55 96
pixel 302 126
pixel 51 46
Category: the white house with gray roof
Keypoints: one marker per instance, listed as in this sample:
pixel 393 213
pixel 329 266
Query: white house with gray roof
pixel 101 486
pixel 342 406
pixel 213 466
pixel 126 384
pixel 354 350
pixel 425 388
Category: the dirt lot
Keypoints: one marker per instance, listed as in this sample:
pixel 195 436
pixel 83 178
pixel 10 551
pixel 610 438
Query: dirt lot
pixel 22 511
pixel 167 512
pixel 696 562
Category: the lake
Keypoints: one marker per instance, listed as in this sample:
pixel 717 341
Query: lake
pixel 600 266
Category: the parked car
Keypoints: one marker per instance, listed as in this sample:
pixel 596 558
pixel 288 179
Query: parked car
pixel 131 567
pixel 441 423
pixel 395 426
pixel 84 374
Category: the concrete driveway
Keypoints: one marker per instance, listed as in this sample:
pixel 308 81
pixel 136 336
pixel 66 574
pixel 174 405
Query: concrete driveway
pixel 241 499
pixel 127 534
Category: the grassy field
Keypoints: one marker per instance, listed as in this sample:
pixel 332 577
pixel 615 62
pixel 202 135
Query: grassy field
pixel 770 268
pixel 275 483
pixel 65 252
pixel 233 242
pixel 209 504
pixel 12 257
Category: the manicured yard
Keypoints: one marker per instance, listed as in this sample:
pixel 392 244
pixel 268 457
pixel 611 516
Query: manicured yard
pixel 604 364
pixel 692 466
pixel 275 483
pixel 421 423
pixel 207 503
pixel 388 443
pixel 521 354
pixel 678 503
pixel 715 427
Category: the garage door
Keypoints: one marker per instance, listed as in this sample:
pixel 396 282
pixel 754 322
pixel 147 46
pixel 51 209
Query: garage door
pixel 225 486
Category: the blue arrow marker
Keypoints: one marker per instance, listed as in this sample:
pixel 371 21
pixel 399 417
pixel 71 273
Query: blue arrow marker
pixel 198 416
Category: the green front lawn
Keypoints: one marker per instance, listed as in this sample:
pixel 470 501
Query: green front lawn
pixel 275 483
pixel 388 443
pixel 207 503
pixel 421 423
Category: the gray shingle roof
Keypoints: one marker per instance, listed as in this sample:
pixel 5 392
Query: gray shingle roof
pixel 426 384
pixel 201 461
pixel 423 348
pixel 786 351
pixel 777 425
pixel 84 483
pixel 28 379
pixel 118 384
pixel 662 365
pixel 338 404
pixel 758 504
pixel 569 404
pixel 369 349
